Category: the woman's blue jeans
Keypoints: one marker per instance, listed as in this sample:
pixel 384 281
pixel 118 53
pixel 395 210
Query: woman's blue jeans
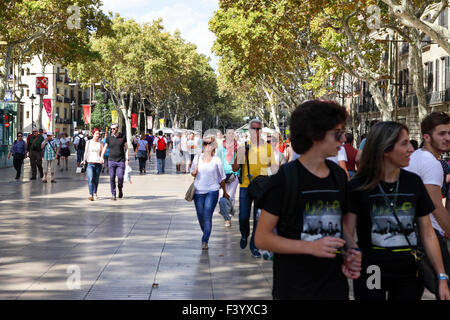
pixel 205 205
pixel 93 173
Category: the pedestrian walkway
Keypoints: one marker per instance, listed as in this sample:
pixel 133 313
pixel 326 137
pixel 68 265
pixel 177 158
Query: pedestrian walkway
pixel 144 246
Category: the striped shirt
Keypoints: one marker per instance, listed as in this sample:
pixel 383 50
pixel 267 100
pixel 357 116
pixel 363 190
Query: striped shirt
pixel 50 149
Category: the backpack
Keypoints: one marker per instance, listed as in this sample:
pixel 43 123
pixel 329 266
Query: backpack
pixel 81 144
pixel 161 144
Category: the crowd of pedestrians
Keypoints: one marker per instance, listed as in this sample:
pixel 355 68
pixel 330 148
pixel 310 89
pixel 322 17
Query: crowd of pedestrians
pixel 324 210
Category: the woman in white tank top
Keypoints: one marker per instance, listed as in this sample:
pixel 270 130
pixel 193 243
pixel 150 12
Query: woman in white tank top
pixel 92 156
pixel 209 178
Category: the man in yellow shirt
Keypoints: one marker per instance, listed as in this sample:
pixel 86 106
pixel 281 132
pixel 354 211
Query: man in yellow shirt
pixel 259 156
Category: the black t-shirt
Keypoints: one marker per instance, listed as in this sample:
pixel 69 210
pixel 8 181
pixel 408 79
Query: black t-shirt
pixel 116 147
pixel 376 225
pixel 319 215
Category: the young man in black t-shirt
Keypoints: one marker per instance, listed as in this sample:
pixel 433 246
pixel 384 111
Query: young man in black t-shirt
pixel 117 159
pixel 308 261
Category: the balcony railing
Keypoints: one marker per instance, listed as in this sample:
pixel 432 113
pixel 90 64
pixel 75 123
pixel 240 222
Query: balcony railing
pixel 368 106
pixel 62 120
pixel 426 41
pixel 66 100
pixel 59 99
pixel 59 79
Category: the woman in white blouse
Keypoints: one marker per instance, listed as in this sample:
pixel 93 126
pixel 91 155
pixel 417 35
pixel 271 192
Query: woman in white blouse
pixel 209 178
pixel 92 156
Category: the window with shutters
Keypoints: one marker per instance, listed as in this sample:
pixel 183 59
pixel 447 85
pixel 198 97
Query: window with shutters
pixel 430 77
pixel 443 18
pixel 407 84
pixel 442 78
pixel 447 72
pixel 436 76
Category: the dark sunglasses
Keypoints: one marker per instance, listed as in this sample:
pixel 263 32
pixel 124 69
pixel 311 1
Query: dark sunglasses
pixel 338 135
pixel 207 143
pixel 257 129
pixel 19 136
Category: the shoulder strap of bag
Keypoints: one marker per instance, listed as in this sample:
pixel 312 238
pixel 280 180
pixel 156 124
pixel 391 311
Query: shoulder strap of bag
pixel 247 147
pixel 392 206
pixel 50 143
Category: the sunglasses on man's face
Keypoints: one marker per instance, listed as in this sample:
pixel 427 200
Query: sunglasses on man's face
pixel 19 136
pixel 257 129
pixel 338 135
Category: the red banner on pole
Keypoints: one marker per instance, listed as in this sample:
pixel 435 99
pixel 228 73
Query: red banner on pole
pixel 87 113
pixel 48 107
pixel 134 120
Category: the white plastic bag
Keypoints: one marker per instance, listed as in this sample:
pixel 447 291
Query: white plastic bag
pixel 127 177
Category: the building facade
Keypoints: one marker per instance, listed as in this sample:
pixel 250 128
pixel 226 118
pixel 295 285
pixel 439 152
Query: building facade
pixel 436 64
pixel 66 98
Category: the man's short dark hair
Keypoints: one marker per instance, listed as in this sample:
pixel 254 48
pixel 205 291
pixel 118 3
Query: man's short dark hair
pixel 349 138
pixel 414 143
pixel 373 122
pixel 160 132
pixel 311 120
pixel 432 120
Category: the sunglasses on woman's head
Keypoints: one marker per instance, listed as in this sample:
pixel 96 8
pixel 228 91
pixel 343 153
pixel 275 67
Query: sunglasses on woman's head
pixel 207 143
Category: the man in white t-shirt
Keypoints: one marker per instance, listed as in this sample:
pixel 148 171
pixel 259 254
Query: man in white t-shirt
pixel 185 155
pixel 341 160
pixel 424 162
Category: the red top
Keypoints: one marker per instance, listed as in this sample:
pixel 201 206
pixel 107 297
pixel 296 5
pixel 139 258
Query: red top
pixel 351 155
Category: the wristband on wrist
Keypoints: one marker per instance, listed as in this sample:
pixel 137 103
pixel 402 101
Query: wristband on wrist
pixel 442 276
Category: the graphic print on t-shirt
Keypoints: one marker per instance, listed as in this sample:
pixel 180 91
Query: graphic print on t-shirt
pixel 386 232
pixel 321 217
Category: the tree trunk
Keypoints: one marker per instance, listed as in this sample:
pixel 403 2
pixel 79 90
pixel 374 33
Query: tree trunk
pixel 126 113
pixel 156 120
pixel 273 110
pixel 418 80
pixel 7 64
pixel 384 107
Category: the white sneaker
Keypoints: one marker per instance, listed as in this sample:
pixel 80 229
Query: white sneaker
pixel 95 196
pixel 227 224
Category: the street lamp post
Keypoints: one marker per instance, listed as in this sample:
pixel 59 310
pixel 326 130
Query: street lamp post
pixel 32 111
pixel 72 105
